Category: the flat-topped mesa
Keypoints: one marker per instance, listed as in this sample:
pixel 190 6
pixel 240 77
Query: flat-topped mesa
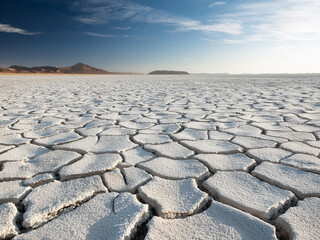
pixel 167 72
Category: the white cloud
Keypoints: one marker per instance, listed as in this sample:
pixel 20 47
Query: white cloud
pixel 216 4
pixel 104 35
pixel 103 11
pixel 281 20
pixel 8 29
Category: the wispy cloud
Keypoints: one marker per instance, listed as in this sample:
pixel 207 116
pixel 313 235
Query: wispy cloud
pixel 9 29
pixel 281 20
pixel 105 35
pixel 122 28
pixel 103 11
pixel 282 47
pixel 209 40
pixel 216 4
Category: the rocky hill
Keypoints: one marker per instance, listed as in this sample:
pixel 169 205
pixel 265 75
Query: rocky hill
pixel 79 68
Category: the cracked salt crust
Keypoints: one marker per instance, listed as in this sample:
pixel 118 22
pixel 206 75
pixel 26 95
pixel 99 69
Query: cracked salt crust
pixel 302 184
pixel 89 165
pixel 268 154
pixel 23 152
pixel 212 146
pixel 8 218
pixel 276 120
pixel 151 139
pixel 190 134
pixel 44 202
pixel 173 197
pixel 104 144
pixel 175 169
pixel 302 221
pixel 13 191
pixel 171 150
pixel 248 193
pixel 47 162
pixel 137 155
pixel 126 180
pixel 116 216
pixel 219 222
pixel 230 162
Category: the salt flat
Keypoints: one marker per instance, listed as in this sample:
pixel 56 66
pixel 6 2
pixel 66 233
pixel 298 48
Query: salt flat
pixel 159 157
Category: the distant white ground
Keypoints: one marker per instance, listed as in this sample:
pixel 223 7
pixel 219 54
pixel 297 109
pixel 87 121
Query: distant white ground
pixel 160 157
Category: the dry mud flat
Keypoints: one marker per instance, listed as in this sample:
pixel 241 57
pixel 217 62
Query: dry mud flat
pixel 148 157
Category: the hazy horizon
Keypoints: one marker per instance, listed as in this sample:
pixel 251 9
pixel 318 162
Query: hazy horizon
pixel 235 37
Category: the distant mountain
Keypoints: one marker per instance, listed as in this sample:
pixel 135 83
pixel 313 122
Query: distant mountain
pixel 161 72
pixel 79 68
pixel 82 68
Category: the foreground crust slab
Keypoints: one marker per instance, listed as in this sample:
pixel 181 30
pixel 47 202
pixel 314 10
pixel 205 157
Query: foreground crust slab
pixel 302 184
pixel 173 197
pixel 44 202
pixel 8 217
pixel 248 193
pixel 218 222
pixel 48 162
pixel 109 215
pixel 303 221
pixel 13 191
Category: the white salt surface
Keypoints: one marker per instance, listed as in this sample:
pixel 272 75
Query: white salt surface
pixel 103 144
pixel 48 162
pixel 248 193
pixel 39 180
pixel 137 155
pixel 174 169
pixel 230 162
pixel 303 184
pixel 8 218
pixel 22 152
pixel 302 221
pixel 212 146
pixel 45 201
pixel 219 222
pixel 173 197
pixel 171 150
pixel 180 130
pixel 90 164
pixel 268 154
pixel 112 215
pixel 13 191
pixel 126 179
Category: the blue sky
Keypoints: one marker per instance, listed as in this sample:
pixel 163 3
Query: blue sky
pixel 200 36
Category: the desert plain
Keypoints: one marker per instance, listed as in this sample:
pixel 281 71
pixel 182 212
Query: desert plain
pixel 160 157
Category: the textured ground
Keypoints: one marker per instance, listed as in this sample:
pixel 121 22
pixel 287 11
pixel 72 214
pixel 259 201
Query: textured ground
pixel 147 157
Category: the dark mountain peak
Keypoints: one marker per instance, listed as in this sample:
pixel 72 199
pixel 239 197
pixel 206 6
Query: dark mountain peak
pixel 80 65
pixel 82 68
pixel 18 67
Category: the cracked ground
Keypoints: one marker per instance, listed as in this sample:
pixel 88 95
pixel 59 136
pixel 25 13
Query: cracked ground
pixel 150 157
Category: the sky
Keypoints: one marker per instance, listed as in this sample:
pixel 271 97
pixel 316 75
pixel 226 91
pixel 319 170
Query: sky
pixel 198 36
